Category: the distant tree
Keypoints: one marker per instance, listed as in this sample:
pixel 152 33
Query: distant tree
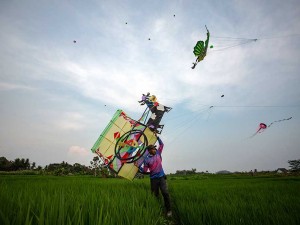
pixel 294 165
pixel 27 164
pixel 80 169
pixel 5 164
pixel 33 166
pixel 39 168
pixel 22 164
pixel 95 164
pixel 17 164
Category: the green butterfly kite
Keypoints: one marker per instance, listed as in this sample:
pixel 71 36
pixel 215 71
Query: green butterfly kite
pixel 200 49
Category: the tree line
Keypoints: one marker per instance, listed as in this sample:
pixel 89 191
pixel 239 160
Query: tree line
pixel 95 168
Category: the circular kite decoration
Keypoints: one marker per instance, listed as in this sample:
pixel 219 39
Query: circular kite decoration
pixel 131 146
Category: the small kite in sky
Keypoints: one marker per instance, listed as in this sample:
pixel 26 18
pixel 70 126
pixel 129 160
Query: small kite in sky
pixel 222 96
pixel 200 50
pixel 263 126
pixel 74 41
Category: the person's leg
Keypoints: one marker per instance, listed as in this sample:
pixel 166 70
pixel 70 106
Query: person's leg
pixel 155 187
pixel 165 193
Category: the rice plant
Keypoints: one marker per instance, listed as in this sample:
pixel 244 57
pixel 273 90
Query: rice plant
pixel 237 201
pixel 76 200
pixel 196 200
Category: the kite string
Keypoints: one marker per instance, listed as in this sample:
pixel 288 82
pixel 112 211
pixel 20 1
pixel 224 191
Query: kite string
pixel 188 125
pixel 232 46
pixel 234 38
pixel 247 40
pixel 254 39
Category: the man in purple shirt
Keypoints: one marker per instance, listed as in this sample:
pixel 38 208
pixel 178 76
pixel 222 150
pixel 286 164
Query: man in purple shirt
pixel 153 162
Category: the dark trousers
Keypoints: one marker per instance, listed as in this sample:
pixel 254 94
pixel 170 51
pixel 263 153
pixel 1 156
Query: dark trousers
pixel 161 183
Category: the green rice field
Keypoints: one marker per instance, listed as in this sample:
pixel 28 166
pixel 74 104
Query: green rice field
pixel 201 199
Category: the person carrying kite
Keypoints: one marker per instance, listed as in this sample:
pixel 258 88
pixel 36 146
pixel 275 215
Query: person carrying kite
pixel 200 50
pixel 153 162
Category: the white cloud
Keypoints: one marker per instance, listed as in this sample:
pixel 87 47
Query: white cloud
pixel 113 63
pixel 77 154
pixel 77 150
pixel 71 121
pixel 10 86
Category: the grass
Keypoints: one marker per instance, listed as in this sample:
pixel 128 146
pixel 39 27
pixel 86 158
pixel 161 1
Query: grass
pixel 237 200
pixel 196 200
pixel 76 200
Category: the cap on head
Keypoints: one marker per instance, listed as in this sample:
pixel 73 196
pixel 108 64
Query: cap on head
pixel 149 147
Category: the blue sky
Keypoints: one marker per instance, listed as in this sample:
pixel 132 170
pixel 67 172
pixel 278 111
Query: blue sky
pixel 57 96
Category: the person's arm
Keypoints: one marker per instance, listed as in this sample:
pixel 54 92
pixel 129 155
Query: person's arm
pixel 145 169
pixel 161 145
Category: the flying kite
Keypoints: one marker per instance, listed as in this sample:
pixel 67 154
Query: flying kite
pixel 263 126
pixel 200 49
pixel 226 43
pixel 121 146
pixel 157 111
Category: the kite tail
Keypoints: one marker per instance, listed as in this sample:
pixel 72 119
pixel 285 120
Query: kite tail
pixel 279 121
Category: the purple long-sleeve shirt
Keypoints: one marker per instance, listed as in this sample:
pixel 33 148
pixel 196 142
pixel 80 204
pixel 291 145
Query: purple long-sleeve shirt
pixel 154 162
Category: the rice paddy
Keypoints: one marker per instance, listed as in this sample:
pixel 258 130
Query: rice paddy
pixel 195 200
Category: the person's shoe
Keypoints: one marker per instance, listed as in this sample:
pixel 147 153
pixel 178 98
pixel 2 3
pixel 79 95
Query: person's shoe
pixel 169 213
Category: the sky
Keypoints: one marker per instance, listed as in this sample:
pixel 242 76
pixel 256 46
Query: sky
pixel 57 96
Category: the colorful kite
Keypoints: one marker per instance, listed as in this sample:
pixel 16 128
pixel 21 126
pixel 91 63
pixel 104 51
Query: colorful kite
pixel 263 126
pixel 122 144
pixel 200 50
